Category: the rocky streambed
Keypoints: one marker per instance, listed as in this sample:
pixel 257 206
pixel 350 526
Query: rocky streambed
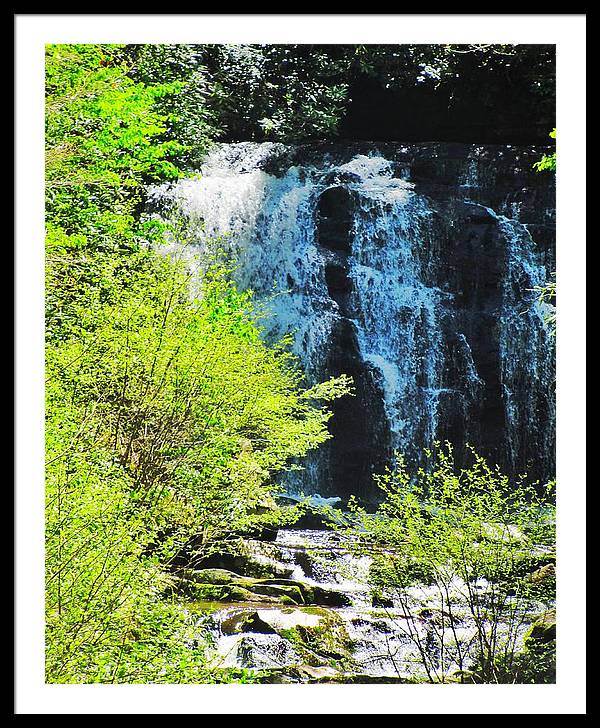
pixel 300 609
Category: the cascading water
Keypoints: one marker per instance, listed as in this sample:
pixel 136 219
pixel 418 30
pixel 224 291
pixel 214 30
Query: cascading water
pixel 411 268
pixel 364 637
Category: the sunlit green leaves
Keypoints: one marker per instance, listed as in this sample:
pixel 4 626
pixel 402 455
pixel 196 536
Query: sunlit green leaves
pixel 548 162
pixel 167 416
pixel 104 139
pixel 472 538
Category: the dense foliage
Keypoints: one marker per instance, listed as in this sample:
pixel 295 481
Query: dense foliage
pixel 167 416
pixel 478 551
pixel 307 92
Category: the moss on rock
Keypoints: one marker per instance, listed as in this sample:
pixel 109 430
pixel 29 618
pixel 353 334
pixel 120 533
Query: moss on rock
pixel 328 639
pixel 543 630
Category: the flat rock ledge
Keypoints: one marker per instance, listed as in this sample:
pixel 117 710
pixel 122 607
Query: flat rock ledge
pixel 221 585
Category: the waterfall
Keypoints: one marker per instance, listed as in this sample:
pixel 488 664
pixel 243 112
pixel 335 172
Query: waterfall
pixel 413 269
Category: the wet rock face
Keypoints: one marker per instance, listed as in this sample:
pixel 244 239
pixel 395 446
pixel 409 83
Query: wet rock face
pixel 360 443
pixel 335 217
pixel 471 267
pixel 411 268
pixel 469 264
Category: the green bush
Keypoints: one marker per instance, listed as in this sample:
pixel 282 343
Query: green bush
pixel 469 540
pixel 167 416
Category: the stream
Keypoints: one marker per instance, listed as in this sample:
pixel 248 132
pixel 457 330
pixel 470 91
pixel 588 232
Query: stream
pixel 356 638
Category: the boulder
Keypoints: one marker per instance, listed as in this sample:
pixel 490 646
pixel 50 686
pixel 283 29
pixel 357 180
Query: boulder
pixel 543 630
pixel 212 576
pixel 219 592
pixel 269 621
pixel 285 593
pixel 224 585
pixel 324 639
pixel 316 634
pixel 329 597
pixel 247 563
pixel 379 600
pixel 310 594
pixel 245 621
pixel 227 586
pixel 544 573
pixel 316 673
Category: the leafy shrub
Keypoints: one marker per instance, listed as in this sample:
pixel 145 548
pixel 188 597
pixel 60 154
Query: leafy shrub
pixel 462 543
pixel 167 416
